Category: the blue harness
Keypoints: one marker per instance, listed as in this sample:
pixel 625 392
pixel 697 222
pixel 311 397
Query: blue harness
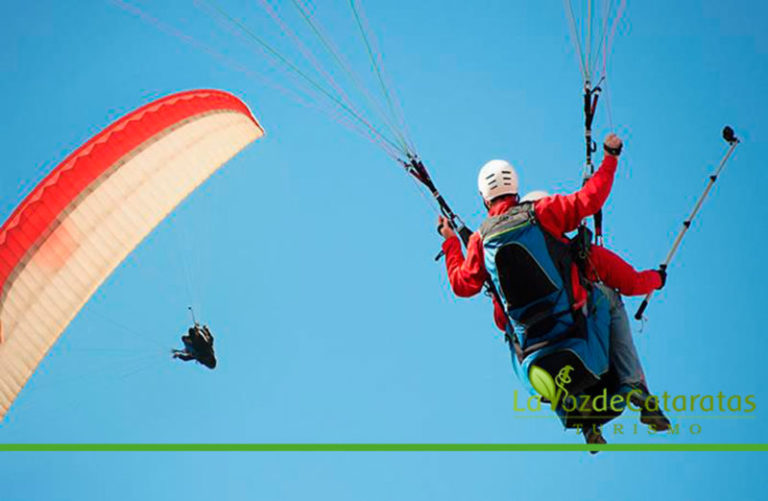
pixel 531 271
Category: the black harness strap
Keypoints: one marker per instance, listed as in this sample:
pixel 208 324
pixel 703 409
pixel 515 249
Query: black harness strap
pixel 591 95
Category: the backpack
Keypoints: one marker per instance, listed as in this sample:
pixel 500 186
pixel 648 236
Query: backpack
pixel 532 273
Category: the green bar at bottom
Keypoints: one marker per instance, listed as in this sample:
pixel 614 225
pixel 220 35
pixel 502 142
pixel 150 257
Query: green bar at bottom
pixel 383 447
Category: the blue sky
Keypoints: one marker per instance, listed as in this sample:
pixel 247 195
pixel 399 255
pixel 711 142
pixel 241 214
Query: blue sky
pixel 310 254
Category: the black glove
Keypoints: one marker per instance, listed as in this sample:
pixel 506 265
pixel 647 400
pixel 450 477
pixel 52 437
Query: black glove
pixel 662 271
pixel 613 151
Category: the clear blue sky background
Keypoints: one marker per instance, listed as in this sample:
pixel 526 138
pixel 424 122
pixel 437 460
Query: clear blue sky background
pixel 310 255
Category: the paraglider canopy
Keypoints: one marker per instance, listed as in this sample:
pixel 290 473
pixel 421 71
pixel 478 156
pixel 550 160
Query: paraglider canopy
pixel 95 207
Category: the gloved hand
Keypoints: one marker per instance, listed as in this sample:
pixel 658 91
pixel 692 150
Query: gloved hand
pixel 662 271
pixel 444 227
pixel 612 145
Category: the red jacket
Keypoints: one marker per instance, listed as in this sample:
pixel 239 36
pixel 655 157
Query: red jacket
pixel 557 214
pixel 610 269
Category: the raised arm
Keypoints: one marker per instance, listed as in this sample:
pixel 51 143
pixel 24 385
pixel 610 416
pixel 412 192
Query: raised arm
pixel 560 214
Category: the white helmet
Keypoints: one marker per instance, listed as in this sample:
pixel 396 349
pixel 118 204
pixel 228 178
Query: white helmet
pixel 497 178
pixel 534 195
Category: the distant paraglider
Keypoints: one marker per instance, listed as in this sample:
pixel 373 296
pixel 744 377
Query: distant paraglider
pixel 94 208
pixel 198 345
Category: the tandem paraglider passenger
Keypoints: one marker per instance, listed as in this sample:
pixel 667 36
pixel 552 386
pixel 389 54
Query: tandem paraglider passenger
pixel 198 346
pixel 558 319
pixel 607 270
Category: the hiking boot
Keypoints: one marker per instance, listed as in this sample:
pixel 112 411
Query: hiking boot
pixel 654 418
pixel 591 436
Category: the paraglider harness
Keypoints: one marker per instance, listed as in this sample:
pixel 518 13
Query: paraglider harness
pixel 531 272
pixel 198 346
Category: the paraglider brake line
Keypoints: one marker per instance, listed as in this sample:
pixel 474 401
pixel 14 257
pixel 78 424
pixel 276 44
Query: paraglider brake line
pixel 415 167
pixel 591 95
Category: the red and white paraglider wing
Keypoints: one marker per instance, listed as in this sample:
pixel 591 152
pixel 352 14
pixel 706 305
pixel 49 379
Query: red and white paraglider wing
pixel 94 208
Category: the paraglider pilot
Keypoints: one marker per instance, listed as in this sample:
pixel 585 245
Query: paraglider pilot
pixel 198 346
pixel 508 226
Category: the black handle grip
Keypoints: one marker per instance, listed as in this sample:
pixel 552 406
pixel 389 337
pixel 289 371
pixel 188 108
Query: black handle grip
pixel 464 234
pixel 641 310
pixel 598 223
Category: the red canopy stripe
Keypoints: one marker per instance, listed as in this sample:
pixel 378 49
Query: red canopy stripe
pixel 40 209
